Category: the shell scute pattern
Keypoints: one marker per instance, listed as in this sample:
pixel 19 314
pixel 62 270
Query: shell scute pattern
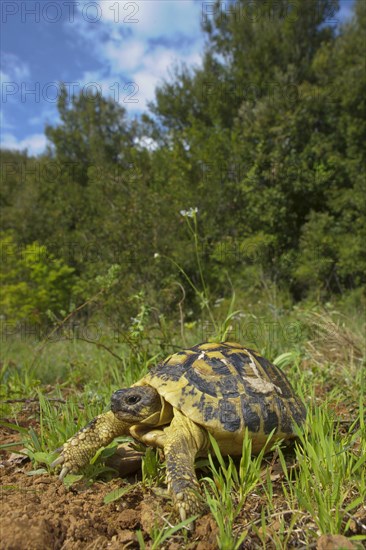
pixel 227 387
pixel 228 415
pixel 296 411
pixel 174 366
pixel 209 411
pixel 240 362
pixel 250 414
pixel 283 415
pixel 274 375
pixel 209 346
pixel 201 382
pixel 219 366
pixel 167 373
pixel 270 421
pixel 230 387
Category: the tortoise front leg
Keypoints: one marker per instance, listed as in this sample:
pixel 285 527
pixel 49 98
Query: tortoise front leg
pixel 81 447
pixel 183 440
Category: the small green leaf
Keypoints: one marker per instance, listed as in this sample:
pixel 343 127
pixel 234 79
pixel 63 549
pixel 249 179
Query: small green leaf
pixel 44 458
pixel 70 479
pixel 286 359
pixel 9 487
pixel 140 539
pixel 97 455
pixel 169 532
pixel 107 452
pixel 116 494
pixel 150 464
pixel 35 440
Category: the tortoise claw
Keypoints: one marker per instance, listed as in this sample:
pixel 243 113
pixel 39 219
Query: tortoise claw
pixel 188 504
pixel 182 513
pixel 58 461
pixel 65 470
pixel 65 467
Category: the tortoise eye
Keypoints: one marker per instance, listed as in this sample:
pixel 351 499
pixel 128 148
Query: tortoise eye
pixel 132 399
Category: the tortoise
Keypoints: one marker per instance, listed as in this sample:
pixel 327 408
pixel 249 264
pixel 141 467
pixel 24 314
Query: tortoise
pixel 220 389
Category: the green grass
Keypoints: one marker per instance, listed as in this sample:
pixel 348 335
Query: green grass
pixel 322 485
pixel 319 488
pixel 227 489
pixel 287 502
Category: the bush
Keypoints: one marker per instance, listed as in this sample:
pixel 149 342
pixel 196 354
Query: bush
pixel 33 282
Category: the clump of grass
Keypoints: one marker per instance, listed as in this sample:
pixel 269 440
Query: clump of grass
pixel 228 489
pixel 55 427
pixel 329 482
pixel 153 471
pixel 159 534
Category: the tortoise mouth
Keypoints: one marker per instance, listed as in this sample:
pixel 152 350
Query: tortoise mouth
pixel 135 404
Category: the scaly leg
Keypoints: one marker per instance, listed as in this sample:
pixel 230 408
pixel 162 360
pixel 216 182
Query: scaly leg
pixel 81 447
pixel 183 440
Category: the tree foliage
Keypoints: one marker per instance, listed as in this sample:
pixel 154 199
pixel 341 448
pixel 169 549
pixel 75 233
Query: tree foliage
pixel 33 282
pixel 266 138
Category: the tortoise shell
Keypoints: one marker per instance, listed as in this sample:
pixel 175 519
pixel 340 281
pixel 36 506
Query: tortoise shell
pixel 226 388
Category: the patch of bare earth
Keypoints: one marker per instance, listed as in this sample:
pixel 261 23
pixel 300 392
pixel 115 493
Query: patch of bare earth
pixel 39 513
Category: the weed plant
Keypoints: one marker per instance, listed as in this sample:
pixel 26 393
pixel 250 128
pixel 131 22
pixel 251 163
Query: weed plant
pixel 286 502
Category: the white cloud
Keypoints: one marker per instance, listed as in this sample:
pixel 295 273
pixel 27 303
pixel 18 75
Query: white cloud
pixel 135 88
pixel 47 115
pixel 155 70
pixel 161 18
pixel 35 143
pixel 142 52
pixel 124 57
pixel 135 42
pixel 149 17
pixel 4 77
pixel 12 68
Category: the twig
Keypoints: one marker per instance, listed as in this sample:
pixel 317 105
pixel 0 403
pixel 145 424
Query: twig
pixel 357 521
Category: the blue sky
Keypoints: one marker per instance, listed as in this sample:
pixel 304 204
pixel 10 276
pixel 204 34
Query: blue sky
pixel 119 47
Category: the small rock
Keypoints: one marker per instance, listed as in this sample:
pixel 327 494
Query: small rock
pixel 335 542
pixel 129 519
pixel 126 536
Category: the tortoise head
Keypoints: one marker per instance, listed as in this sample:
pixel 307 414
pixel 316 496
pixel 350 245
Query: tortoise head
pixel 137 404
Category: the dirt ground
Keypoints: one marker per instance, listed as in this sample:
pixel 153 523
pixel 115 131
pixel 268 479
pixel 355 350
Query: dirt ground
pixel 39 513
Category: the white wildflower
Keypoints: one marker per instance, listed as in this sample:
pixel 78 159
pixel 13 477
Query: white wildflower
pixel 189 213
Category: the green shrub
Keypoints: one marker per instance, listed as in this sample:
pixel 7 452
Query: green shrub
pixel 33 282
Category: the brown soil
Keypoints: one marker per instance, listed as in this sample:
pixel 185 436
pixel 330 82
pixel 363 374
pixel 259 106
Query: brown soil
pixel 39 513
